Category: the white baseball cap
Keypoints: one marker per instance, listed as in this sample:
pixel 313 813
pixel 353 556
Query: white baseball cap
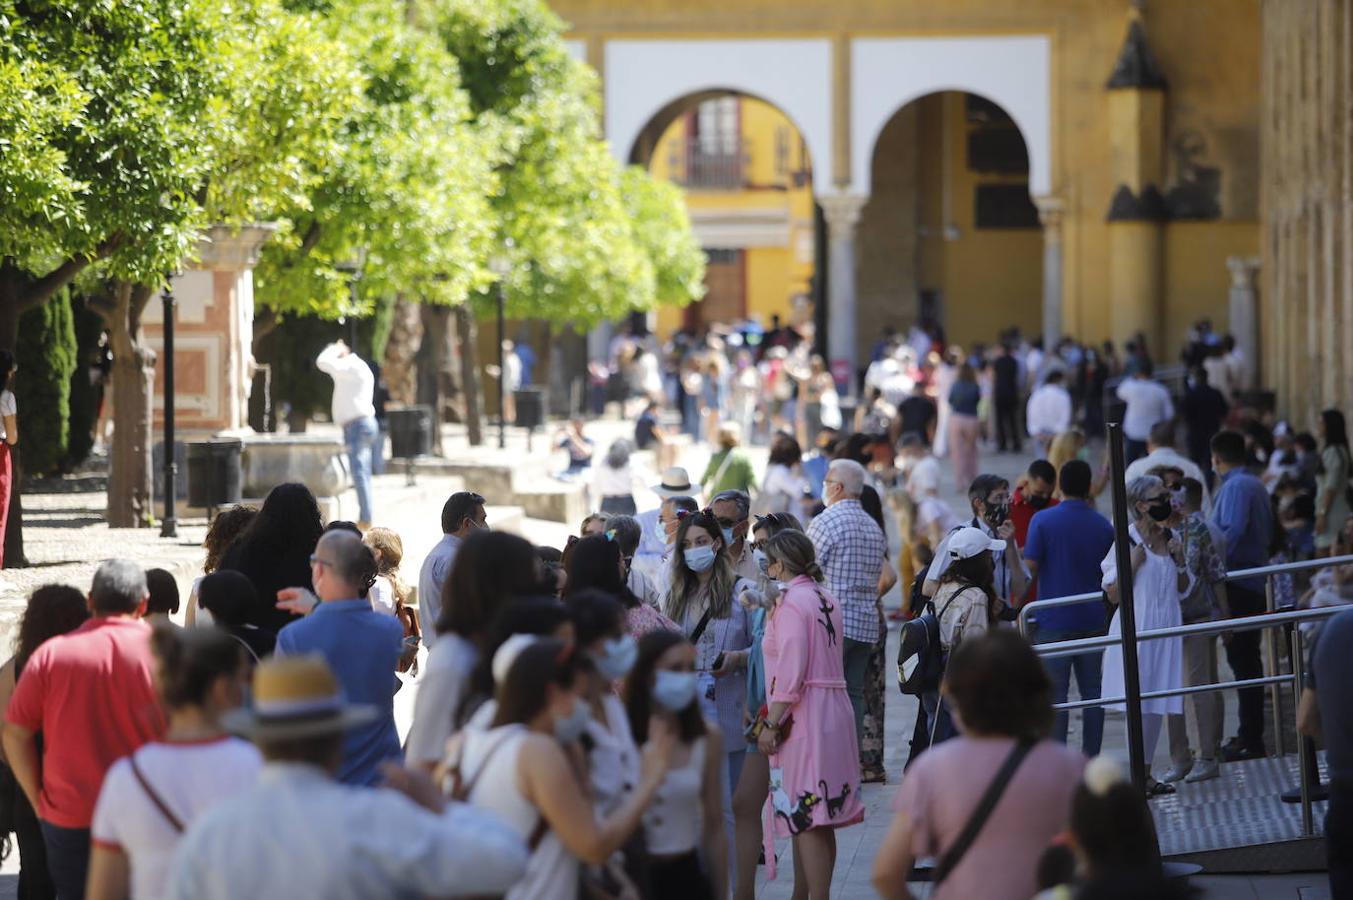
pixel 966 543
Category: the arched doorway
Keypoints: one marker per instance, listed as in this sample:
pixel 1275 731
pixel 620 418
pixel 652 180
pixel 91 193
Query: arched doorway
pixel 950 233
pixel 747 175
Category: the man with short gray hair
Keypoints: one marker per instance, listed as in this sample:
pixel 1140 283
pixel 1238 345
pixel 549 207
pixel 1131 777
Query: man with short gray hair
pixel 361 645
pixel 90 693
pixel 850 549
pixel 733 510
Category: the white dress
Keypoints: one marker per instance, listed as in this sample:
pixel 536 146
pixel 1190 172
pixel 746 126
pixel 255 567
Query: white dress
pixel 1160 661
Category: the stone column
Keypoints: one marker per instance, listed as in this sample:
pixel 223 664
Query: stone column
pixel 1244 312
pixel 842 212
pixel 1050 210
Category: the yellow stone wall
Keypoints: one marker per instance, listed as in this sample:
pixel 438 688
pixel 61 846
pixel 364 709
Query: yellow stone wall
pixel 775 275
pixel 1209 51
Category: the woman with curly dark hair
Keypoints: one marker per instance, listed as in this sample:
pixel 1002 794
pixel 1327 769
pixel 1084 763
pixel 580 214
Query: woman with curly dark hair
pixel 228 525
pixel 52 609
pixel 274 550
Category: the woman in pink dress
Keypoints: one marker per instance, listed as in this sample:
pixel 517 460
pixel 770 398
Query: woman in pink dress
pixel 808 730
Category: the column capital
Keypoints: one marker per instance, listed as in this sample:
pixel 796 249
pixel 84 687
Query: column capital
pixel 1051 209
pixel 227 248
pixel 842 212
pixel 1243 270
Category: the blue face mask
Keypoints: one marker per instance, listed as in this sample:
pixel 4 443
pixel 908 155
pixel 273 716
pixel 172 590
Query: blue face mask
pixel 762 562
pixel 617 657
pixel 727 536
pixel 699 559
pixel 674 691
pixel 572 726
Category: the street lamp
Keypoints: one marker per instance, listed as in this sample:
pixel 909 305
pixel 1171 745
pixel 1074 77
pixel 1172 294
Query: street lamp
pixel 500 266
pixel 169 528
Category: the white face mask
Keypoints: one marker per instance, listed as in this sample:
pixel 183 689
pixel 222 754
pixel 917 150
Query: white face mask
pixel 572 726
pixel 617 657
pixel 674 691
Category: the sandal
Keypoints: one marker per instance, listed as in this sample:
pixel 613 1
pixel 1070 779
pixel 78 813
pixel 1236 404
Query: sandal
pixel 1156 788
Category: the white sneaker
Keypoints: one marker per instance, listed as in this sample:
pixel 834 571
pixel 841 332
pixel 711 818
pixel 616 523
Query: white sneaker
pixel 1207 769
pixel 1176 772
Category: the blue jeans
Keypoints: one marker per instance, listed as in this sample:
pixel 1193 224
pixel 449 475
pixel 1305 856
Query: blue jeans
pixel 67 859
pixel 1089 669
pixel 360 436
pixel 856 659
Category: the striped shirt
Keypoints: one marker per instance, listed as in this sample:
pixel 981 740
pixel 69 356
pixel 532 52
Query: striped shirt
pixel 850 549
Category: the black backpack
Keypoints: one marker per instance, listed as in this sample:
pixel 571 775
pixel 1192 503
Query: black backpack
pixel 920 656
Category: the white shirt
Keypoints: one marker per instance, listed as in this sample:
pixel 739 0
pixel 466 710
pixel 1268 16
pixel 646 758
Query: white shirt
pixel 490 760
pixel 354 385
pixel 923 478
pixel 782 482
pixel 431 577
pixel 382 596
pixel 1147 403
pixel 614 758
pixel 299 833
pixel 8 407
pixel 608 482
pixel 440 691
pixel 1048 410
pixel 189 778
pixel 645 587
pixel 1169 457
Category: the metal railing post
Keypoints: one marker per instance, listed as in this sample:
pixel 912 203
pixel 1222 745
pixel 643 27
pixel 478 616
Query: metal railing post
pixel 1275 691
pixel 1303 759
pixel 1127 620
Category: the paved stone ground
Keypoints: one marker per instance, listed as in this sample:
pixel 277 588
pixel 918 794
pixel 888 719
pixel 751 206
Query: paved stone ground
pixel 66 537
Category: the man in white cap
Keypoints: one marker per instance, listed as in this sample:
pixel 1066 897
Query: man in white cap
pixel 299 833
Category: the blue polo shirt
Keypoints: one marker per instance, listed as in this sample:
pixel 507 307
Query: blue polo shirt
pixel 1242 510
pixel 1068 542
pixel 362 647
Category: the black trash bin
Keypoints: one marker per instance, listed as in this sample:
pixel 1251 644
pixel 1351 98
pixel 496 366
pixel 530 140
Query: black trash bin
pixel 531 407
pixel 215 472
pixel 410 429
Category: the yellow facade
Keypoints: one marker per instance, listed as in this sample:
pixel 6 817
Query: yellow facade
pixel 1203 139
pixel 769 179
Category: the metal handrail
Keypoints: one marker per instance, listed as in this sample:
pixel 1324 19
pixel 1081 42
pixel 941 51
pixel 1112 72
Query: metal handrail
pixel 1078 646
pixel 1277 569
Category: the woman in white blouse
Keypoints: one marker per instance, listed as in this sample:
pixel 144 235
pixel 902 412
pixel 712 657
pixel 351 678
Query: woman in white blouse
pixel 613 481
pixel 1159 578
pixel 784 484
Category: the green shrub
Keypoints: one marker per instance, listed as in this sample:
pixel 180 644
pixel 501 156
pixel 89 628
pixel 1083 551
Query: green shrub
pixel 45 355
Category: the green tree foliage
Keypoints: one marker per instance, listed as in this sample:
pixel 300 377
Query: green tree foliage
pixel 106 105
pixel 562 218
pixel 662 227
pixel 46 357
pixel 406 183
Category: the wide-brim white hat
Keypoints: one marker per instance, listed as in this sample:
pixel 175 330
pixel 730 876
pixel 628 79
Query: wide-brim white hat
pixel 676 482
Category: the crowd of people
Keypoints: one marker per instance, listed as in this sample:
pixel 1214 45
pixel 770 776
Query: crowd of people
pixel 645 711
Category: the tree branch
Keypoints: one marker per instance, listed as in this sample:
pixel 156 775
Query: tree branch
pixel 37 291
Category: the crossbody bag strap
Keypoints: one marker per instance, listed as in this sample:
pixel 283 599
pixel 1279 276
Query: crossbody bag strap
pixel 954 855
pixel 155 797
pixel 701 626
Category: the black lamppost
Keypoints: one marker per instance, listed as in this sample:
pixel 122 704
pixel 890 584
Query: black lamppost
pixel 501 265
pixel 169 528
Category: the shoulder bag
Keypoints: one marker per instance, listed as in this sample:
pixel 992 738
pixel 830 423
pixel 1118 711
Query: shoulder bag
pixel 954 855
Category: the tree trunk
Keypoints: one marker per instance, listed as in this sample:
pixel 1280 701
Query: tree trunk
pixel 130 496
pixel 469 375
pixel 433 388
pixel 400 370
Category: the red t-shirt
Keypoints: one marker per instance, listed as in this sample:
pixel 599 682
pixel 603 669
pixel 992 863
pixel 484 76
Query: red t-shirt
pixel 91 695
pixel 1021 514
